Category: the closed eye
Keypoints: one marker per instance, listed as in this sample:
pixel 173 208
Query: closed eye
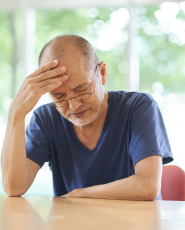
pixel 60 97
pixel 82 90
pixel 78 91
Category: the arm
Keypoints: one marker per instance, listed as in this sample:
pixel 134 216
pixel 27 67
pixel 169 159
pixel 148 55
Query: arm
pixel 144 185
pixel 18 172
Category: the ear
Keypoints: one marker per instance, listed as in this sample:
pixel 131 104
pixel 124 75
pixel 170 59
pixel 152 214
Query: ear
pixel 103 71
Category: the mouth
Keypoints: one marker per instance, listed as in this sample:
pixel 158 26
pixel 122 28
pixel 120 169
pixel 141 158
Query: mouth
pixel 79 114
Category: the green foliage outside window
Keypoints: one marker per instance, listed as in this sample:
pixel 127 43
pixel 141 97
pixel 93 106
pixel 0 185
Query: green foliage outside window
pixel 161 60
pixel 6 47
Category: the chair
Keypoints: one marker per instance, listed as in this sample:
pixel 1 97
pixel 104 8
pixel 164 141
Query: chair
pixel 173 183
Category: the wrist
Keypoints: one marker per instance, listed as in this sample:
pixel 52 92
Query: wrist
pixel 15 113
pixel 15 117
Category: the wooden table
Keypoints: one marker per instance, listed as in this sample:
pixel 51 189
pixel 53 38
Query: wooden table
pixel 28 213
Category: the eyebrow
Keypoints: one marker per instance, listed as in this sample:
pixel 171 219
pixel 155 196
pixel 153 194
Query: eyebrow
pixel 77 87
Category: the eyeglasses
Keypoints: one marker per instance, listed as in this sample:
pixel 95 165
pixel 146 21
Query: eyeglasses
pixel 81 97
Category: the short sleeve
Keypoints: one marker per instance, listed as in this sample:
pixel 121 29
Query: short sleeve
pixel 37 144
pixel 148 133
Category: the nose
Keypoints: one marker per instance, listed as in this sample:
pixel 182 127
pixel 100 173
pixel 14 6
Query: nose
pixel 73 104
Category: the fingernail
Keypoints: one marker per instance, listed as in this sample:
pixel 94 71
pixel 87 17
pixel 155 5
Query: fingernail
pixel 55 61
pixel 65 77
pixel 63 68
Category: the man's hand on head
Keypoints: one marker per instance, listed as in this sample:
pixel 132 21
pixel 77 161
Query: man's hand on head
pixel 43 80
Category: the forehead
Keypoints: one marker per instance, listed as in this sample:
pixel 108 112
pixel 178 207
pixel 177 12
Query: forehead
pixel 69 57
pixel 68 54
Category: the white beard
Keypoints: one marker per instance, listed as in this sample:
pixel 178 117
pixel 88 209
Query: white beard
pixel 81 123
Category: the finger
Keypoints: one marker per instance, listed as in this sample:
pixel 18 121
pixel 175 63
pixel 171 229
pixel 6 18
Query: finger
pixel 44 68
pixel 50 74
pixel 49 87
pixel 51 81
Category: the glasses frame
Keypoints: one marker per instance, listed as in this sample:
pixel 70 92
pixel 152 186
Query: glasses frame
pixel 54 105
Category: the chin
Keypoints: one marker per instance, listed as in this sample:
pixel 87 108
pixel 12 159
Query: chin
pixel 84 120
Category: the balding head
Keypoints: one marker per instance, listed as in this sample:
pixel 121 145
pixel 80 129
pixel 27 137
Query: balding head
pixel 62 45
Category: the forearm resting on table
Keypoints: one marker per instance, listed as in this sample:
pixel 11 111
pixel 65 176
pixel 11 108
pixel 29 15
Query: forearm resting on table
pixel 131 188
pixel 144 185
pixel 13 158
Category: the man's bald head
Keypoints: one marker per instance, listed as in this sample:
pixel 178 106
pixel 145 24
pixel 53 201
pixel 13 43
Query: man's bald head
pixel 58 47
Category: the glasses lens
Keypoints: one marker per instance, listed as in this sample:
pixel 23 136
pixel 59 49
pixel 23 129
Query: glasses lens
pixel 83 97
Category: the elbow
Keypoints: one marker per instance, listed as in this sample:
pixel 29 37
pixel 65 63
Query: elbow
pixel 12 194
pixel 152 191
pixel 11 191
pixel 151 196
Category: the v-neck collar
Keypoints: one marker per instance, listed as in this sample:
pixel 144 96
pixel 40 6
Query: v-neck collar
pixel 75 138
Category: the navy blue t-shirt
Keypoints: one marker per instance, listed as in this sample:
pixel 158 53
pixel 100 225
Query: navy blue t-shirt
pixel 133 130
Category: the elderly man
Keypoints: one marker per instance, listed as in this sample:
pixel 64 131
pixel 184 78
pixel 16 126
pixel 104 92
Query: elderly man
pixel 98 144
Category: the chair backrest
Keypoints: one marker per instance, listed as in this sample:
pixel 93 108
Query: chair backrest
pixel 173 183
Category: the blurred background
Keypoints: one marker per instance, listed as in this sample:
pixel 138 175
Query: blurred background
pixel 142 43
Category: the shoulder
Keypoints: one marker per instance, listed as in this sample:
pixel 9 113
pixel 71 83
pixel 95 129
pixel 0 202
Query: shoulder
pixel 46 113
pixel 130 99
pixel 128 95
pixel 45 110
